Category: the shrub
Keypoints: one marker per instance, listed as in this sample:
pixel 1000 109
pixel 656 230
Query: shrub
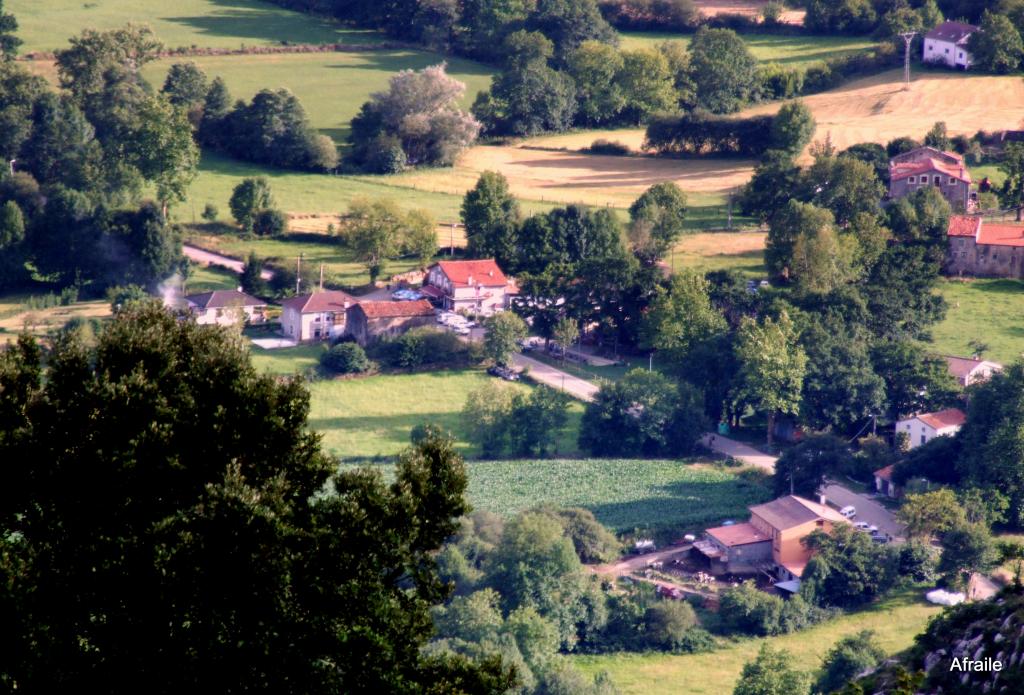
pixel 668 622
pixel 609 147
pixel 421 347
pixel 748 610
pixel 210 212
pixel 384 155
pixel 270 223
pixel 345 358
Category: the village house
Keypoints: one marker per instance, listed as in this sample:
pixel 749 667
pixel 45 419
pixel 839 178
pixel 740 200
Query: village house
pixel 924 427
pixel 884 483
pixel 226 308
pixel 473 286
pixel 368 322
pixel 978 247
pixel 928 166
pixel 946 45
pixel 317 316
pixel 971 370
pixel 771 541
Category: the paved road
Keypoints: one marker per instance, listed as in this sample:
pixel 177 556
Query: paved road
pixel 740 451
pixel 556 378
pixel 867 509
pixel 208 258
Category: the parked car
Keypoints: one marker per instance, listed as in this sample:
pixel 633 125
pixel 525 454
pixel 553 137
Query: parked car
pixel 880 537
pixel 460 330
pixel 503 373
pixel 849 511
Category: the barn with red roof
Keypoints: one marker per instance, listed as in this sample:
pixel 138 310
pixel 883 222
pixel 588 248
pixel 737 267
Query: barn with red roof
pixel 976 246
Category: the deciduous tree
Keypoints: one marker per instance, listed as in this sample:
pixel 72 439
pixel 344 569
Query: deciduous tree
pixel 505 330
pixel 772 366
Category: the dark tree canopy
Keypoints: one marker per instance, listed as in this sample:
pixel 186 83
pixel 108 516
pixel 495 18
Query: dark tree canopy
pixel 138 552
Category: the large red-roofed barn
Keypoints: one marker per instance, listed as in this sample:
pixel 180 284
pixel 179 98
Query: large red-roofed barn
pixel 983 248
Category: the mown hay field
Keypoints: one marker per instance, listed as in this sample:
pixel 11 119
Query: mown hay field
pixel 878 108
pixel 45 25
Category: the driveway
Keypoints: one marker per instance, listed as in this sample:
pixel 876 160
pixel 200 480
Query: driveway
pixel 867 509
pixel 556 378
pixel 739 451
pixel 204 257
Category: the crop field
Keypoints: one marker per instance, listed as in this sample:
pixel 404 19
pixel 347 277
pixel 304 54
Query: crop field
pixel 878 108
pixel 895 621
pixel 623 493
pixel 45 25
pixel 792 51
pixel 373 416
pixel 331 86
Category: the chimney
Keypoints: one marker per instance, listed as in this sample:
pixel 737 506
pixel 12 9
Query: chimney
pixel 469 280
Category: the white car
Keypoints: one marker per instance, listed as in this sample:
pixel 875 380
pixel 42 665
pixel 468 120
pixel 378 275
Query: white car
pixel 849 512
pixel 461 330
pixel 862 525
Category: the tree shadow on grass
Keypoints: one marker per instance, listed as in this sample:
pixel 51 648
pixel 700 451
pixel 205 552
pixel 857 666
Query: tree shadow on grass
pixel 383 434
pixel 261 22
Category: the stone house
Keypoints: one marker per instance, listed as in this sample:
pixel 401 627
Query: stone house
pixel 368 322
pixel 317 316
pixel 946 45
pixel 928 166
pixel 978 247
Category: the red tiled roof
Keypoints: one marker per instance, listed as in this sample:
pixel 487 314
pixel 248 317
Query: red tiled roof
pixel 328 300
pixel 432 291
pixel 738 534
pixel 951 31
pixel 484 272
pixel 961 367
pixel 392 310
pixel 902 170
pixel 219 299
pixel 950 417
pixel 1001 234
pixel 885 473
pixel 963 225
pixel 795 568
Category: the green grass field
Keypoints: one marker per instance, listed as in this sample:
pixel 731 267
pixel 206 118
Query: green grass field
pixel 331 86
pixel 990 310
pixel 373 416
pixel 209 278
pixel 895 622
pixel 287 361
pixel 623 494
pixel 47 24
pixel 792 51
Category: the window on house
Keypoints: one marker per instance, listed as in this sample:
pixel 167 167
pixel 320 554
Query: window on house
pixel 937 180
pixel 946 51
pixel 912 179
pixel 951 180
pixel 923 439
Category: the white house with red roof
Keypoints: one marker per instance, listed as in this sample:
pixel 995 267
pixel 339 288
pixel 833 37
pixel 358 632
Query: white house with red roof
pixel 979 247
pixel 946 45
pixel 317 316
pixel 924 427
pixel 927 166
pixel 226 308
pixel 473 286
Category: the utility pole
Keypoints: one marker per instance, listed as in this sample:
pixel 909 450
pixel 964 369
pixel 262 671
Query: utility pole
pixel 729 223
pixel 298 274
pixel 451 241
pixel 321 277
pixel 908 38
pixel 12 166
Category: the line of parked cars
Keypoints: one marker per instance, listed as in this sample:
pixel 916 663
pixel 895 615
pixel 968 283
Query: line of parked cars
pixel 456 322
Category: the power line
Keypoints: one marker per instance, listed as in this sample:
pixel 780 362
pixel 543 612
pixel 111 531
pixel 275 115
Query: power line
pixel 908 38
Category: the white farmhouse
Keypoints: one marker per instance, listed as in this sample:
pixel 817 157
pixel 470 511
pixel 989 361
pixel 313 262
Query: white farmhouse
pixel 924 427
pixel 476 286
pixel 317 316
pixel 226 308
pixel 946 44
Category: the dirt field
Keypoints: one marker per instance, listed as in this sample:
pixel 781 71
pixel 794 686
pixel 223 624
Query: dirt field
pixel 574 177
pixel 878 109
pixel 711 8
pixel 705 252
